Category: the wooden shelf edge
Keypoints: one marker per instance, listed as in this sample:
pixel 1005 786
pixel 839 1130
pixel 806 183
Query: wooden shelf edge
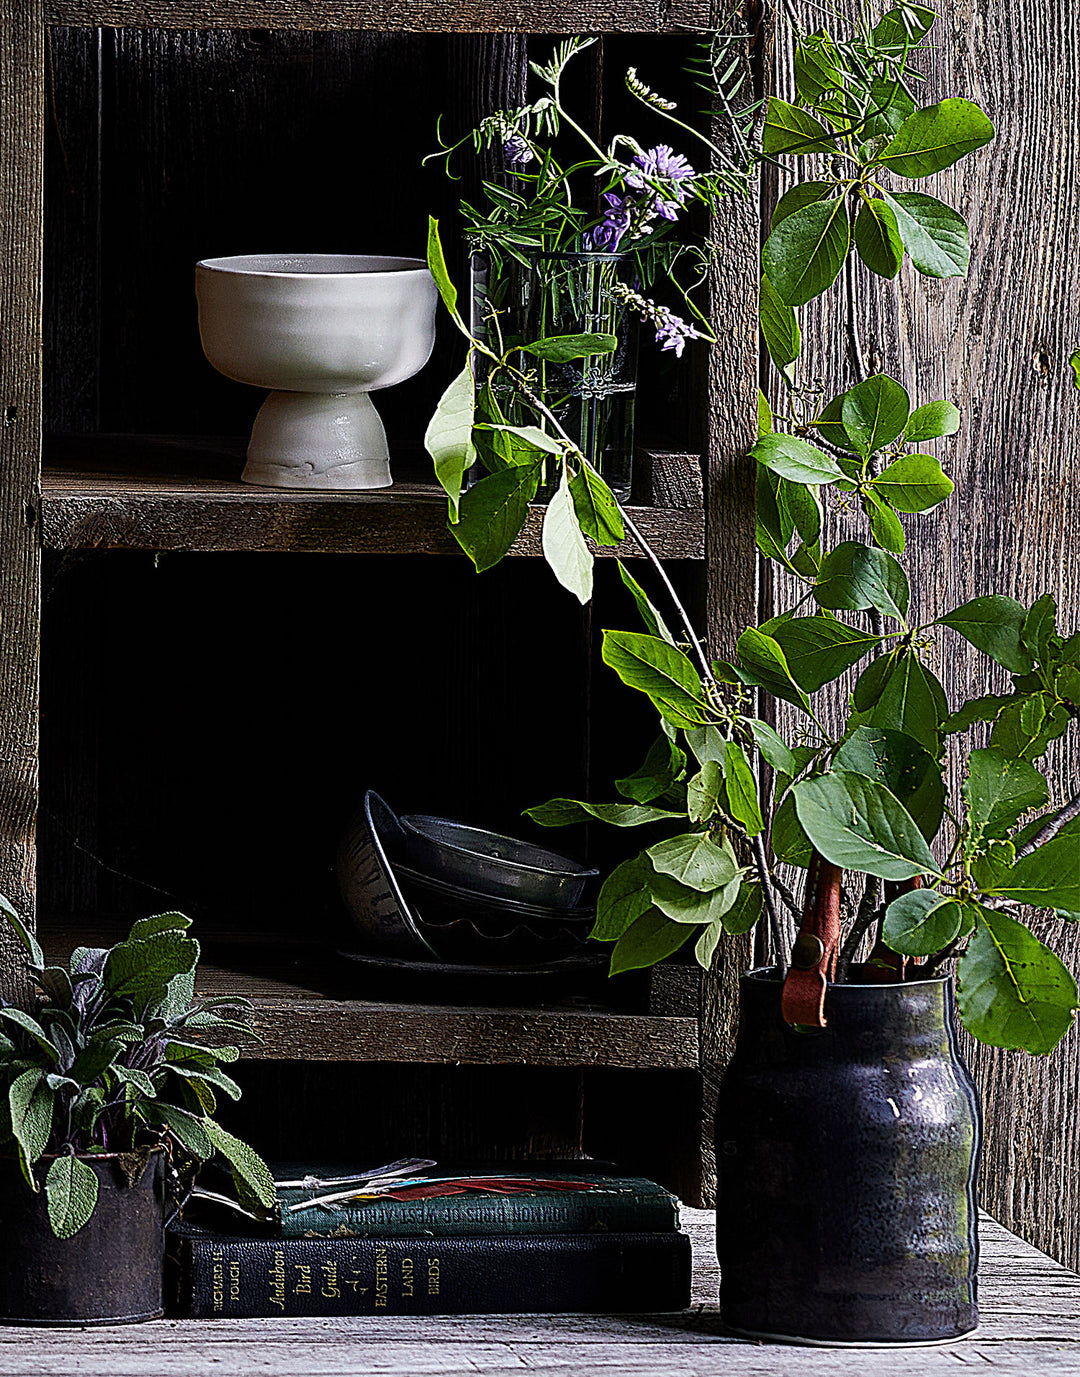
pixel 173 493
pixel 333 1030
pixel 405 16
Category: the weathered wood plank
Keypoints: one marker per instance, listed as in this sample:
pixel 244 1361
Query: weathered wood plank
pixel 22 91
pixel 1030 1305
pixel 730 548
pixel 152 493
pixel 413 16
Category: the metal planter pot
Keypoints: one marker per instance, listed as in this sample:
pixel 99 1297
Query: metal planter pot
pixel 110 1272
pixel 846 1159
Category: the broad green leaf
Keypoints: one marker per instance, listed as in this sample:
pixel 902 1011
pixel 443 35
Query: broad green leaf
pixel 801 194
pixel 854 577
pixel 742 789
pixel 597 511
pixel 1013 991
pixel 1074 364
pixel 706 945
pixel 1048 878
pixel 931 421
pixel 997 792
pixel 533 438
pixel 935 137
pixel 745 911
pixel 774 527
pixel 127 1075
pixel 561 812
pixel 772 747
pixel 448 438
pixel 140 970
pixel 30 1025
pixel 247 1166
pixel 914 483
pixel 654 623
pixel 984 709
pixel 993 625
pixel 764 414
pixel 564 348
pixel 885 527
pixel 647 941
pixel 436 262
pixel 71 1190
pixel 989 869
pixel 875 412
pixel 871 683
pixel 564 545
pixel 684 905
pixel 799 504
pixel 763 659
pixel 493 512
pixel 624 896
pixel 791 130
pixel 789 841
pixel 185 1127
pixel 705 792
pixel 1039 628
pixel 1026 727
pixel 793 458
pixel 659 670
pixel 661 768
pixel 817 72
pixel 23 933
pixel 820 649
pixel 706 743
pixel 860 825
pixel 693 859
pixel 30 1104
pixel 935 236
pixel 159 922
pixel 779 327
pixel 877 238
pixel 804 254
pixel 903 26
pixel 905 768
pixel 922 922
pixel 912 702
pixel 829 424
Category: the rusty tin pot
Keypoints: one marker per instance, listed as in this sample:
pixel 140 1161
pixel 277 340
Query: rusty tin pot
pixel 846 1160
pixel 110 1272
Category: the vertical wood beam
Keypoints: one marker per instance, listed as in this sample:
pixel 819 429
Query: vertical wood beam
pixel 22 100
pixel 731 559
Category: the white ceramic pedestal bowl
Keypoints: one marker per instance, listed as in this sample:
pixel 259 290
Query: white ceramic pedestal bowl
pixel 321 330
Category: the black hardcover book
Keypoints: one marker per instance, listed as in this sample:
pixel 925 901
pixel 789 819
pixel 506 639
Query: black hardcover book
pixel 225 1276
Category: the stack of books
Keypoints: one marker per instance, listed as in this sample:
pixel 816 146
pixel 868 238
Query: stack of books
pixel 414 1239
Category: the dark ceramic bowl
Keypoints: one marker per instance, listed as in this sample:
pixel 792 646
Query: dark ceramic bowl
pixel 487 863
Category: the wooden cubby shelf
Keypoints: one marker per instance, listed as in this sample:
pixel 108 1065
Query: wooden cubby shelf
pixel 139 492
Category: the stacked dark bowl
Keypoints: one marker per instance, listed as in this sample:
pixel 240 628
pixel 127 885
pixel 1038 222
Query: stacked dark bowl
pixel 426 889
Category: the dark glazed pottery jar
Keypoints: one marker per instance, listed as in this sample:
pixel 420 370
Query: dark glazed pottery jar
pixel 110 1272
pixel 846 1162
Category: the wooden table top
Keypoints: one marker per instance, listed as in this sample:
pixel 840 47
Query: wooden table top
pixel 1030 1309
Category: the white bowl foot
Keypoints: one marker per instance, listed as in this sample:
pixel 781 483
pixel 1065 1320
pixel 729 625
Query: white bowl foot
pixel 309 440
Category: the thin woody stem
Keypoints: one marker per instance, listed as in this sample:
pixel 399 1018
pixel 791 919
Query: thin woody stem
pixel 871 901
pixel 1052 828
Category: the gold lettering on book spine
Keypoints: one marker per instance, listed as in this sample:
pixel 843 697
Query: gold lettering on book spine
pixel 218 1280
pixel 277 1280
pixel 382 1278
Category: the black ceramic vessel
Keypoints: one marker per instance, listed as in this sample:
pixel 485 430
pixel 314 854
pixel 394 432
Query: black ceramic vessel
pixel 110 1272
pixel 846 1162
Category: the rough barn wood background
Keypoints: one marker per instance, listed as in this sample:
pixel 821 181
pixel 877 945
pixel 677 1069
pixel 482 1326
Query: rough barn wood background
pixel 998 346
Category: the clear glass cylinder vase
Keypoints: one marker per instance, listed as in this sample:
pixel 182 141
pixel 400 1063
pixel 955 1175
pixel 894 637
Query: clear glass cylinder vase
pixel 516 303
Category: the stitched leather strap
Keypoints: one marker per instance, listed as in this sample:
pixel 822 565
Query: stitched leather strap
pixel 883 957
pixel 813 957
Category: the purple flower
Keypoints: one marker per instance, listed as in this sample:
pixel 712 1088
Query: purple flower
pixel 605 237
pixel 516 150
pixel 662 164
pixel 672 331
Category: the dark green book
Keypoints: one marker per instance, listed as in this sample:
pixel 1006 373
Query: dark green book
pixel 525 1200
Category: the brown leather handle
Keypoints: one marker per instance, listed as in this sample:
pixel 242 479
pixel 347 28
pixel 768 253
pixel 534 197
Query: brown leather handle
pixel 813 957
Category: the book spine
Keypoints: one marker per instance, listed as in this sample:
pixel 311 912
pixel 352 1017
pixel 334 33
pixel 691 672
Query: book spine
pixel 221 1277
pixel 465 1216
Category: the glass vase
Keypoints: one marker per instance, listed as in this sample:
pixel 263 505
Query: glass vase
pixel 516 303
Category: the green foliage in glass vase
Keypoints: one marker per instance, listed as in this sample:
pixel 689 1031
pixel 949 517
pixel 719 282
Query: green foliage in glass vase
pixel 114 1055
